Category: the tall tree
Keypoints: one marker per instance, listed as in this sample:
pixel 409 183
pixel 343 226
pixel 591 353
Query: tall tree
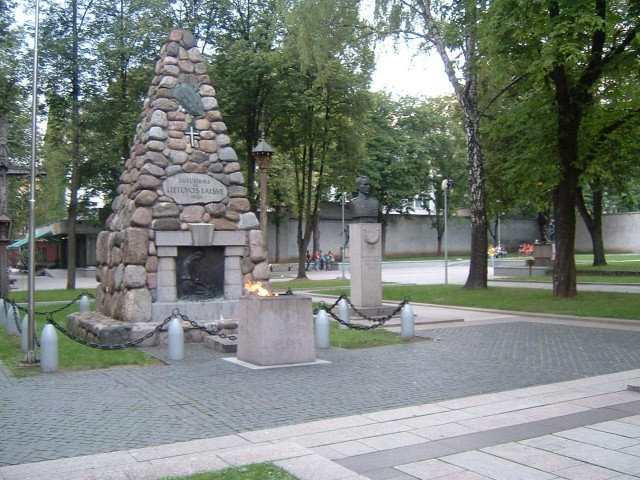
pixel 244 62
pixel 63 37
pixel 413 145
pixel 452 30
pixel 318 126
pixel 126 37
pixel 14 107
pixel 436 128
pixel 573 53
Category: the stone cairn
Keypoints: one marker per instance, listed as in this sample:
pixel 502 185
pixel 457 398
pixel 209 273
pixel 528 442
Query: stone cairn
pixel 164 146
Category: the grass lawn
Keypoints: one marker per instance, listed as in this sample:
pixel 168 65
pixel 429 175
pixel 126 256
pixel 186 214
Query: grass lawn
pixel 586 304
pixel 616 263
pixel 580 279
pixel 354 339
pixel 258 471
pixel 71 355
pixel 49 295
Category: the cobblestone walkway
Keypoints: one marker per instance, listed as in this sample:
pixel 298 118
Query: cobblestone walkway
pixel 70 414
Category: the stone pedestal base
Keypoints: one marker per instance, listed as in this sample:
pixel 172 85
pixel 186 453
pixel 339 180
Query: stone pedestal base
pixel 97 328
pixel 275 330
pixel 365 240
pixel 544 255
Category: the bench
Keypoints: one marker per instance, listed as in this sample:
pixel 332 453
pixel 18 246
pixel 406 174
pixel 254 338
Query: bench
pixel 276 267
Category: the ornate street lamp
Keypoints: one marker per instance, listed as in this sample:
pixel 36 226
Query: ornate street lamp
pixel 262 153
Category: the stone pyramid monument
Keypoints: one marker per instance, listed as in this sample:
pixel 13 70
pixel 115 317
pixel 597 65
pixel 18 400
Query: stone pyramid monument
pixel 180 234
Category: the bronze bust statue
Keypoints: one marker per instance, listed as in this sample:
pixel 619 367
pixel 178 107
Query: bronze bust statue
pixel 363 207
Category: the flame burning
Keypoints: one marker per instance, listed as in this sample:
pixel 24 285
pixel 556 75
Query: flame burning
pixel 258 289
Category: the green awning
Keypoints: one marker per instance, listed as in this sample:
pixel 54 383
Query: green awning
pixel 23 241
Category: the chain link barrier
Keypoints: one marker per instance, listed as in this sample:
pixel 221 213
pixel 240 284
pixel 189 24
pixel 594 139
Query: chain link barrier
pixel 176 313
pixel 377 321
pixel 160 328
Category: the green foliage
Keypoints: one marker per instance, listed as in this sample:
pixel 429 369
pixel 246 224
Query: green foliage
pixel 15 108
pixel 572 63
pixel 452 30
pixel 318 120
pixel 413 145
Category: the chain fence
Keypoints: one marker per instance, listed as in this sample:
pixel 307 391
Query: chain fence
pixel 159 328
pixel 377 321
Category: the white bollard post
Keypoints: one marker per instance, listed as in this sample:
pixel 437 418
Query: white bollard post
pixel 49 349
pixel 175 334
pixel 407 324
pixel 343 313
pixel 84 304
pixel 24 333
pixel 12 314
pixel 3 313
pixel 322 329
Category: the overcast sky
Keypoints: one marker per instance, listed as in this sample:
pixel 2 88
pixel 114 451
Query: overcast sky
pixel 400 73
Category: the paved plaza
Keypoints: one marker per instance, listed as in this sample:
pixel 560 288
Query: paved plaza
pixel 484 395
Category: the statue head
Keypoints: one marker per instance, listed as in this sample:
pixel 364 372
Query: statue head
pixel 363 186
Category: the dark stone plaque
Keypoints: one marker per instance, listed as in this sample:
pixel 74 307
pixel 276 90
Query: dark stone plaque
pixel 187 95
pixel 200 273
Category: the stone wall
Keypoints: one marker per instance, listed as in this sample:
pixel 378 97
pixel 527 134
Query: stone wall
pixel 412 235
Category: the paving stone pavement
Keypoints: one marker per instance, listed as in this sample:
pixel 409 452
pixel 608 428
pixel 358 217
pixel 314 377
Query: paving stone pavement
pixel 466 379
pixel 80 413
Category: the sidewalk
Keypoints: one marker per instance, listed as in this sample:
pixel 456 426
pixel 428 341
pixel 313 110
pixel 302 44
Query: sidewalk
pixel 581 429
pixel 57 279
pixel 486 395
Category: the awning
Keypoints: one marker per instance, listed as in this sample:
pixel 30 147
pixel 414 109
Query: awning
pixel 23 241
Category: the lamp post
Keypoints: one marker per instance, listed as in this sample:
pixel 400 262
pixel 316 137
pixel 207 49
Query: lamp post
pixel 446 185
pixel 344 235
pixel 262 153
pixel 31 357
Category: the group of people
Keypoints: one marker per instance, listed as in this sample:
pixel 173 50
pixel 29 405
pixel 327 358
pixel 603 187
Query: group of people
pixel 320 261
pixel 525 250
pixel 497 252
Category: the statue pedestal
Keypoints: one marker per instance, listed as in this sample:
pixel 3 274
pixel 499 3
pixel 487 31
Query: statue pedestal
pixel 365 240
pixel 544 254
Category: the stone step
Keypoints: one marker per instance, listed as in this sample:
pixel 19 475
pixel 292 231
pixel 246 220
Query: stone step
pixel 222 345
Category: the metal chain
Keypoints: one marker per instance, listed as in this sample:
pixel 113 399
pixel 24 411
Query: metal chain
pixel 15 307
pixel 17 322
pixel 131 343
pixel 53 312
pixel 160 328
pixel 378 321
pixel 194 324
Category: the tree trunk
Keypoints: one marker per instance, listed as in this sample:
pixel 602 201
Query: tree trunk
pixel 277 225
pixel 477 278
pixel 569 117
pixel 593 222
pixel 564 268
